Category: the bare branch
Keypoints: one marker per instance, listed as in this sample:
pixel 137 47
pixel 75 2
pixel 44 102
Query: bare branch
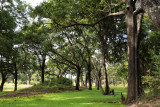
pixel 117 13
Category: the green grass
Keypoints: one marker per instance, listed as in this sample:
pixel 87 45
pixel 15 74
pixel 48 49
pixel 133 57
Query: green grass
pixel 85 98
pixel 10 87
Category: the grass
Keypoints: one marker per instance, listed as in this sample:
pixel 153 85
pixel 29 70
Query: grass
pixel 84 98
pixel 10 87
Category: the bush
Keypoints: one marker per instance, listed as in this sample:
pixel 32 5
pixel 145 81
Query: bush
pixel 153 83
pixel 53 84
pixel 64 81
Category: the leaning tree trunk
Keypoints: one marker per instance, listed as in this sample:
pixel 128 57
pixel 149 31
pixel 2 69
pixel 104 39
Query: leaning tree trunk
pixel 3 81
pixel 98 72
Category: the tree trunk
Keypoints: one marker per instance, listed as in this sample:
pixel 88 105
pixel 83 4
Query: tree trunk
pixel 15 76
pixel 98 76
pixel 123 81
pixel 137 64
pixel 97 81
pixel 106 85
pixel 89 70
pixel 77 81
pixel 3 81
pixel 82 82
pixel 86 79
pixel 131 95
pixel 152 8
pixel 43 69
pixel 89 78
pixel 133 74
pixel 29 78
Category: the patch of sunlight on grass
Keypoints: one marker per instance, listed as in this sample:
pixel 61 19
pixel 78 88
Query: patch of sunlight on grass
pixel 10 86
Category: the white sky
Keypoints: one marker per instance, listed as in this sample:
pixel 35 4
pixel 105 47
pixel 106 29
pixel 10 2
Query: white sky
pixel 34 2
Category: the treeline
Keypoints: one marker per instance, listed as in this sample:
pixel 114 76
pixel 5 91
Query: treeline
pixel 82 39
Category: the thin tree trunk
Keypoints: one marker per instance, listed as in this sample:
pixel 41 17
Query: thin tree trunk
pixel 90 81
pixel 43 69
pixel 86 79
pixel 15 76
pixel 106 85
pixel 99 79
pixel 29 79
pixel 82 82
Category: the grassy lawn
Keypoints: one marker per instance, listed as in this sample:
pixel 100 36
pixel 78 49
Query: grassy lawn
pixel 84 98
pixel 10 87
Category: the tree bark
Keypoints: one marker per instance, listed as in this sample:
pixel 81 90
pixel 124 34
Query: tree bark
pixel 3 81
pixel 43 69
pixel 15 76
pixel 106 85
pixel 29 78
pixel 82 82
pixel 98 76
pixel 77 81
pixel 137 64
pixel 86 79
pixel 89 75
pixel 131 95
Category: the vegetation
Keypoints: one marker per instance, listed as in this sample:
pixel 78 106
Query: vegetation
pixel 83 43
pixel 76 98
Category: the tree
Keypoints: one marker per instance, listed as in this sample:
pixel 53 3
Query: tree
pixel 90 16
pixel 37 43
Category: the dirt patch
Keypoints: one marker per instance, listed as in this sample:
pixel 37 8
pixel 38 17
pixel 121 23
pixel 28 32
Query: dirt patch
pixel 147 102
pixel 33 93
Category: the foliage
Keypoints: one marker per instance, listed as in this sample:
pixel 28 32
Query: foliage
pixel 62 83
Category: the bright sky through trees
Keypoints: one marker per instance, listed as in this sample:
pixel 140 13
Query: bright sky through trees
pixel 34 2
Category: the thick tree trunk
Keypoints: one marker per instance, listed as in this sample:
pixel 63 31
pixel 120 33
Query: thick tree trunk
pixel 77 81
pixel 131 95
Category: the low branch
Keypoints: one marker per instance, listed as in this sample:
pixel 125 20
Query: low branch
pixel 117 13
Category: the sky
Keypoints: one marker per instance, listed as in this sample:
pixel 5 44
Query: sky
pixel 34 2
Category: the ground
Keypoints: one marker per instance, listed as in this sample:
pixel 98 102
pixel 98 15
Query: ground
pixel 69 98
pixel 63 98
